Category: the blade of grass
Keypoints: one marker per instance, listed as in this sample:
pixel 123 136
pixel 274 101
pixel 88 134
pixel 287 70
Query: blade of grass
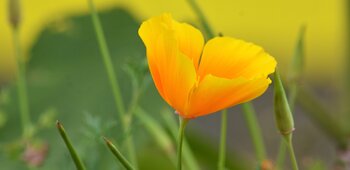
pixel 118 155
pixel 77 161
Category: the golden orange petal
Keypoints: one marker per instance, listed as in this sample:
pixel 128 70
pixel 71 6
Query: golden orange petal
pixel 215 93
pixel 173 73
pixel 232 58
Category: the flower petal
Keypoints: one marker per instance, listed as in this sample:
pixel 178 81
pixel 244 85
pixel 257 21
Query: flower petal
pixel 215 93
pixel 232 58
pixel 173 73
pixel 190 40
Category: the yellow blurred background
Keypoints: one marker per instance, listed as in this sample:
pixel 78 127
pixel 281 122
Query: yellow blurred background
pixel 272 24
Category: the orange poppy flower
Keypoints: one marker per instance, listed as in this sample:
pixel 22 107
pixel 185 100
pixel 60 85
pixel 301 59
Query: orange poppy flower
pixel 197 79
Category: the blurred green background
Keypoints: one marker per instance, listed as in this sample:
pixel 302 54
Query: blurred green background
pixel 67 80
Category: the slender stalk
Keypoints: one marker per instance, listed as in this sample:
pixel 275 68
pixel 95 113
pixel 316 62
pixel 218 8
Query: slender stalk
pixel 281 156
pixel 180 141
pixel 255 133
pixel 222 151
pixel 172 125
pixel 22 87
pixel 347 71
pixel 78 163
pixel 107 59
pixel 288 139
pixel 112 79
pixel 208 30
pixel 118 155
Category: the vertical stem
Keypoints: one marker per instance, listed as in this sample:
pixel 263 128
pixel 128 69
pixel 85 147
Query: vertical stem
pixel 22 87
pixel 281 154
pixel 183 123
pixel 347 70
pixel 254 130
pixel 222 151
pixel 113 80
pixel 288 139
pixel 172 125
pixel 107 59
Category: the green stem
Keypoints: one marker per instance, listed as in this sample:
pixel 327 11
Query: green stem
pixel 281 155
pixel 172 125
pixel 118 155
pixel 22 87
pixel 107 59
pixel 112 79
pixel 78 163
pixel 208 31
pixel 183 124
pixel 222 151
pixel 254 130
pixel 288 139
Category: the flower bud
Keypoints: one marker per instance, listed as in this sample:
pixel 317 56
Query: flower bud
pixel 283 115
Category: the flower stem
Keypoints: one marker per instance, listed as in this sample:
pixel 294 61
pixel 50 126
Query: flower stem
pixel 22 87
pixel 188 155
pixel 107 59
pixel 281 156
pixel 112 79
pixel 255 133
pixel 222 151
pixel 78 163
pixel 288 139
pixel 183 123
pixel 118 155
